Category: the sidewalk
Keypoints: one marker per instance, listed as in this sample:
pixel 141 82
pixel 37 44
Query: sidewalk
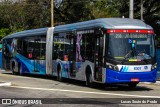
pixel 5 84
pixel 157 82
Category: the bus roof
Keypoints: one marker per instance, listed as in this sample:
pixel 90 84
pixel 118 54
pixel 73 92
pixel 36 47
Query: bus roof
pixel 107 23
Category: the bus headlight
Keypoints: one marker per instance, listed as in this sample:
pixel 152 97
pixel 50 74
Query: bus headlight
pixel 154 66
pixel 111 66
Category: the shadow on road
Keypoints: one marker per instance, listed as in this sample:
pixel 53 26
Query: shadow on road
pixel 106 87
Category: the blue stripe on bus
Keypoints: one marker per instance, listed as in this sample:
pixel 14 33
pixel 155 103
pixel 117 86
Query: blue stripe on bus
pixel 113 76
pixel 30 65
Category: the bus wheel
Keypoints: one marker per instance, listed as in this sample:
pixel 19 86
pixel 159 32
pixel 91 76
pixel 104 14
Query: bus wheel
pixel 132 85
pixel 19 69
pixel 89 79
pixel 59 71
pixel 13 69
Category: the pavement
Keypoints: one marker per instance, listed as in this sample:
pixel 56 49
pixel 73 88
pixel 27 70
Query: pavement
pixel 156 83
pixel 3 83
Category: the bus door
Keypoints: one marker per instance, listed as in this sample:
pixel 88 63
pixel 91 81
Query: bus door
pixel 36 55
pixel 72 56
pixel 98 57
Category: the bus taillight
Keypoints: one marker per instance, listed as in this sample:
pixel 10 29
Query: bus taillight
pixel 135 79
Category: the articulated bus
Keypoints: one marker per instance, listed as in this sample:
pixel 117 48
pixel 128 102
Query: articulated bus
pixel 106 50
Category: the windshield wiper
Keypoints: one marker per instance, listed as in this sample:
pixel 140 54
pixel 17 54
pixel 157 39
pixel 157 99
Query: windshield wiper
pixel 126 56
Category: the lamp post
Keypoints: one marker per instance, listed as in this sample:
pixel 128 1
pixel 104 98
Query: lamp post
pixel 52 13
pixel 131 9
pixel 142 10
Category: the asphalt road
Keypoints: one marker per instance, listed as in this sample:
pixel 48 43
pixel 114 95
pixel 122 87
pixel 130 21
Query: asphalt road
pixel 35 86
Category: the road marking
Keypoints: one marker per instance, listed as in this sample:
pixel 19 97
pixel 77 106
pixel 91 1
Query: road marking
pixel 5 84
pixel 85 92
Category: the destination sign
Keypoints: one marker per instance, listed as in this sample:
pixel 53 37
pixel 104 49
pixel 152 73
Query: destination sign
pixel 130 35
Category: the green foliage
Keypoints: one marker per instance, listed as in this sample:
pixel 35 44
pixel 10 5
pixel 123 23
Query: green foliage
pixel 37 13
pixel 24 15
pixel 29 14
pixel 104 9
pixel 13 16
pixel 70 11
pixel 4 32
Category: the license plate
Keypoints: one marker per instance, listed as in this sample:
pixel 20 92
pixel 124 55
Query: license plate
pixel 135 79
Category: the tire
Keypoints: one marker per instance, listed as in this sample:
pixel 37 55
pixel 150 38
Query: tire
pixel 89 80
pixel 13 69
pixel 20 69
pixel 132 85
pixel 59 71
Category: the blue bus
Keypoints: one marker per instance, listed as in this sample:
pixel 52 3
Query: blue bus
pixel 106 50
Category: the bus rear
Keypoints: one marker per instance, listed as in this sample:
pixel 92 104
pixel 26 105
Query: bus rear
pixel 130 56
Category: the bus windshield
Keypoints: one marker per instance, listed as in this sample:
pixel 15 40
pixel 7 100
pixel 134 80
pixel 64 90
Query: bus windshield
pixel 131 46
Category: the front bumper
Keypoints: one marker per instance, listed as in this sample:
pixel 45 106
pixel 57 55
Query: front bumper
pixel 113 76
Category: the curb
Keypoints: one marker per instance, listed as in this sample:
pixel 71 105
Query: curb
pixel 5 84
pixel 156 83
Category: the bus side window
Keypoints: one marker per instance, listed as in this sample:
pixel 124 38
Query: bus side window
pixel 73 48
pixel 55 54
pixel 4 48
pixel 19 45
pixel 90 41
pixel 67 47
pixel 83 46
pixel 42 48
pixel 30 51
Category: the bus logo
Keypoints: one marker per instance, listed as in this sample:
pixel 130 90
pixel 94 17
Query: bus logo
pixel 145 67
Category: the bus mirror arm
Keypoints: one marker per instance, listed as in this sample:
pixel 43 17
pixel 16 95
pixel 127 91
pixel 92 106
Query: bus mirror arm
pixel 99 31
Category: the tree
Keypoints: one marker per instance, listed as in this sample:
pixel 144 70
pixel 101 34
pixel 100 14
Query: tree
pixel 29 14
pixel 151 11
pixel 37 13
pixel 4 32
pixel 69 11
pixel 104 8
pixel 13 16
